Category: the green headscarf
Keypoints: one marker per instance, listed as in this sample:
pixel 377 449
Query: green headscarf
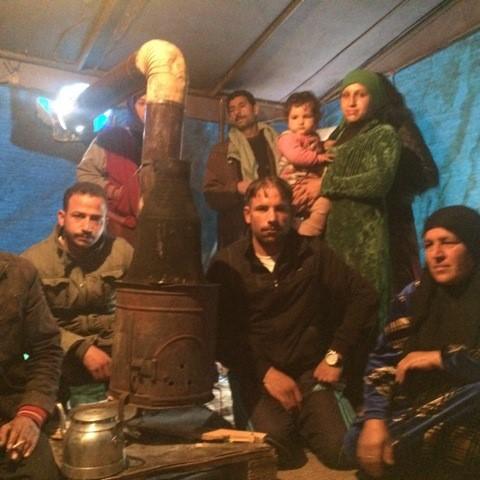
pixel 371 81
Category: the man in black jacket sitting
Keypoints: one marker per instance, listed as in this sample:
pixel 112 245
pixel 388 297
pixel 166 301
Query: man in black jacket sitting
pixel 290 315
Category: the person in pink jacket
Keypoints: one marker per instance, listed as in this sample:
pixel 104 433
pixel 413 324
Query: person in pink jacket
pixel 303 154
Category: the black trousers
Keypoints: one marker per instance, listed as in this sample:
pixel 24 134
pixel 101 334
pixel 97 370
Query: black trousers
pixel 318 423
pixel 39 466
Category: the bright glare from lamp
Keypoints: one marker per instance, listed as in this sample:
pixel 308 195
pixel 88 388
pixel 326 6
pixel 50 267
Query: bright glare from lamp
pixel 65 101
pixel 59 109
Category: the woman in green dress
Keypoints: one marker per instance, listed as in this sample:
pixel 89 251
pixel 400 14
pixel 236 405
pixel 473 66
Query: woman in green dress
pixel 367 151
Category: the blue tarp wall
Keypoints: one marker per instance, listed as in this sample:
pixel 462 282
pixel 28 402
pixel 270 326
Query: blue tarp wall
pixel 32 183
pixel 443 92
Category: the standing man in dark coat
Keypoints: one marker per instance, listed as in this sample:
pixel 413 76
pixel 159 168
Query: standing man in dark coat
pixel 290 315
pixel 30 364
pixel 249 153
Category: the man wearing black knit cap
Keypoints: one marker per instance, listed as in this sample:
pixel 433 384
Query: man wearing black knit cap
pixel 426 365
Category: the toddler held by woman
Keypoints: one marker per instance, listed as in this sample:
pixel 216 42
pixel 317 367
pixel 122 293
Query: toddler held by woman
pixel 304 154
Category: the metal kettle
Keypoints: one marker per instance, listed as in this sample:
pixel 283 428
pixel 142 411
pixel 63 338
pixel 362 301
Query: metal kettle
pixel 93 444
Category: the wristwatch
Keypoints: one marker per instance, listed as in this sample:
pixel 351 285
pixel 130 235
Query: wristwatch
pixel 333 358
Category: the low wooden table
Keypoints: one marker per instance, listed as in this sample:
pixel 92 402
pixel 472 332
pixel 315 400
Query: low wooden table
pixel 232 461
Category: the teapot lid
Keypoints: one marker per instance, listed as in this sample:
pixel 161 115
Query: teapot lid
pixel 95 413
pixel 102 411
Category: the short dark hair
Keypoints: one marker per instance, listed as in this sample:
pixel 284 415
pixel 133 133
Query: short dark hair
pixel 83 188
pixel 268 182
pixel 302 98
pixel 241 93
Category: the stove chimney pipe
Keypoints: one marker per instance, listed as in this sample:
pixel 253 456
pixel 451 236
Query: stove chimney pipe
pixel 163 343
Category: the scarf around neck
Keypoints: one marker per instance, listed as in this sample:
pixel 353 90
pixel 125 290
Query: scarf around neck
pixel 442 316
pixel 240 149
pixel 446 315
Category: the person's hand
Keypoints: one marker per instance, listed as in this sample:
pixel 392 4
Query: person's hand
pixel 327 374
pixel 327 157
pixel 374 447
pixel 98 363
pixel 19 437
pixel 114 192
pixel 283 388
pixel 313 144
pixel 431 360
pixel 306 191
pixel 287 171
pixel 242 186
pixel 327 144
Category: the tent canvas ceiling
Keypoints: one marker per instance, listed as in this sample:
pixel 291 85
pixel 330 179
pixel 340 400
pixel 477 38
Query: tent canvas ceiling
pixel 271 47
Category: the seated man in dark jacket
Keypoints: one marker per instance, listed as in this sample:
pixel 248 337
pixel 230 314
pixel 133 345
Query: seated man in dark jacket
pixel 78 265
pixel 30 365
pixel 291 313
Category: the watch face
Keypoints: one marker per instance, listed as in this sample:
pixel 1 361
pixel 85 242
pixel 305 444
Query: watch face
pixel 331 358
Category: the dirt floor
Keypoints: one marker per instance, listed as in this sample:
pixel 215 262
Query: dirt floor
pixel 314 470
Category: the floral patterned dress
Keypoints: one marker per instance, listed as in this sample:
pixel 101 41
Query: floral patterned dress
pixel 357 184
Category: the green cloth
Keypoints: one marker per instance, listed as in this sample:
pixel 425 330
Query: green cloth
pixel 88 393
pixel 346 410
pixel 371 81
pixel 357 183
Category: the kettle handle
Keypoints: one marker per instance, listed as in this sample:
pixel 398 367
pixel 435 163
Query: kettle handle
pixel 62 417
pixel 122 401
